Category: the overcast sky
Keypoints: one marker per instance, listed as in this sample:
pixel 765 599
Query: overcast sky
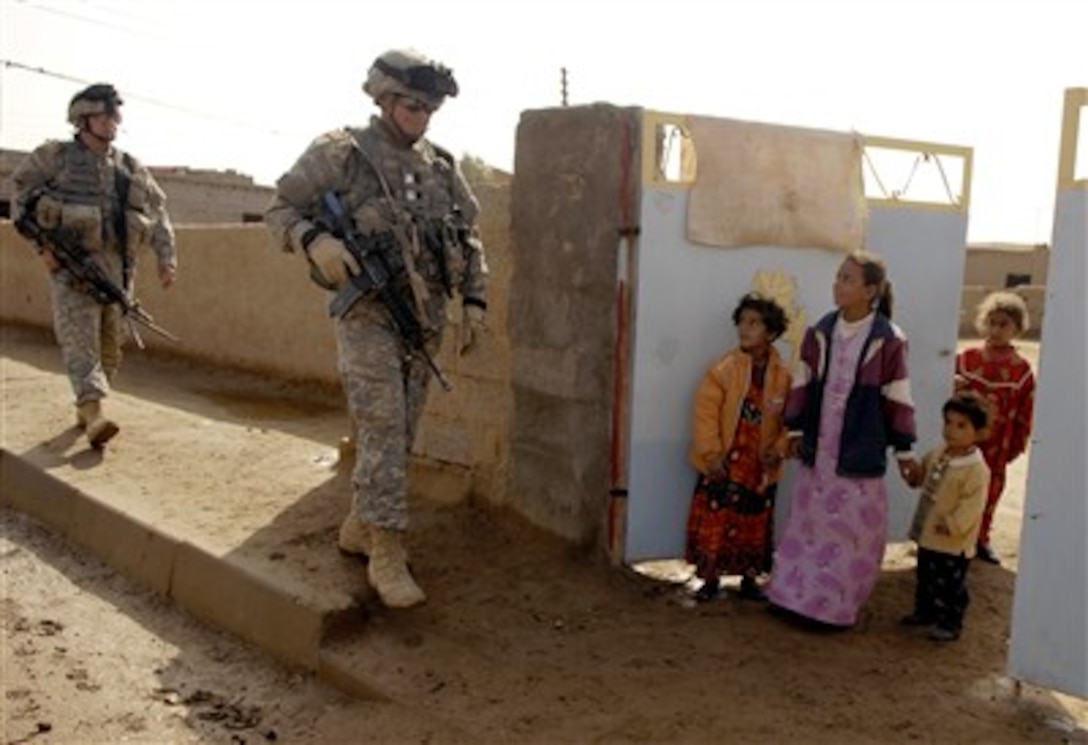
pixel 245 85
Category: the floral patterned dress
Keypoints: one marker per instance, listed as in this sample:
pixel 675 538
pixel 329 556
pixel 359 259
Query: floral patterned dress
pixel 832 546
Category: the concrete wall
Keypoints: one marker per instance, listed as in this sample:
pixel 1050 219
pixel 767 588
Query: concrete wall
pixel 238 302
pixel 241 303
pixel 565 220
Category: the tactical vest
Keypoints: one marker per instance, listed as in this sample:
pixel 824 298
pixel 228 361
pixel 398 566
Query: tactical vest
pixel 421 196
pixel 87 184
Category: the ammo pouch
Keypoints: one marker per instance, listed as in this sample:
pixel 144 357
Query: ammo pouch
pixel 84 221
pixel 444 240
pixel 47 211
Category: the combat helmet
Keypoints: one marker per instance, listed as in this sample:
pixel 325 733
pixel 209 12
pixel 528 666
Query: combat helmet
pixel 100 98
pixel 406 72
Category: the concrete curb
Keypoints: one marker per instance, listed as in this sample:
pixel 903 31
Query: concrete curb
pixel 217 589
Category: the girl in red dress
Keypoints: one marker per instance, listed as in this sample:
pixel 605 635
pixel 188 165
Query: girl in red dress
pixel 996 371
pixel 738 446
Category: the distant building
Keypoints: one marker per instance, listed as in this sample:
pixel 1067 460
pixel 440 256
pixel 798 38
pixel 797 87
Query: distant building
pixel 194 196
pixel 1005 266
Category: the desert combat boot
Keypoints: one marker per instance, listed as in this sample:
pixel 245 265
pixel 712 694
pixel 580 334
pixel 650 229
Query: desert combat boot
pixel 98 428
pixel 354 535
pixel 388 572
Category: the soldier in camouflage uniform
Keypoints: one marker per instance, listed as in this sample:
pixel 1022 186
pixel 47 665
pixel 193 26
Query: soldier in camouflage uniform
pixel 391 180
pixel 112 203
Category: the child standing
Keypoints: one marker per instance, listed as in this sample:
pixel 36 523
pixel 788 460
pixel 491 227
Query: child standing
pixel 1000 375
pixel 949 514
pixel 739 443
pixel 849 404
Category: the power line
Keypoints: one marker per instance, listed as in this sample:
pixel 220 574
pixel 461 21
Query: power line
pixel 144 27
pixel 92 21
pixel 148 99
pixel 124 11
pixel 43 71
pixel 140 33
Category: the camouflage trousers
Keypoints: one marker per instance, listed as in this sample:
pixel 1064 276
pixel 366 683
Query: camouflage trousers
pixel 90 336
pixel 386 393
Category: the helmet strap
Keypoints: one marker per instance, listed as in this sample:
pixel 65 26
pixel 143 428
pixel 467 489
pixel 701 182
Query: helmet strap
pixel 97 143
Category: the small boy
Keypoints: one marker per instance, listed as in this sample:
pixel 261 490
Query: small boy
pixel 954 483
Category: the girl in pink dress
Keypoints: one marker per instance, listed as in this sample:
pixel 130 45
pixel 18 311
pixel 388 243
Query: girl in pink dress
pixel 850 403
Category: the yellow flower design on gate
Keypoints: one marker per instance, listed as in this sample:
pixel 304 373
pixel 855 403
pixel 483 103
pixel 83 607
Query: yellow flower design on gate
pixel 783 289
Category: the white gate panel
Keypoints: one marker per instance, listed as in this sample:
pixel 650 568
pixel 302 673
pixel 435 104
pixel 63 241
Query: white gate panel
pixel 1050 611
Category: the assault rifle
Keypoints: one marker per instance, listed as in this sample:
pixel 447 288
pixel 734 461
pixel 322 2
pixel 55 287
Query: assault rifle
pixel 378 276
pixel 78 262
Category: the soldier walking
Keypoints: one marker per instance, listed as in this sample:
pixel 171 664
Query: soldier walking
pixel 409 200
pixel 111 206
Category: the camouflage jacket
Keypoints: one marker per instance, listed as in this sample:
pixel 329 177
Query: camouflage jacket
pixel 418 191
pixel 70 185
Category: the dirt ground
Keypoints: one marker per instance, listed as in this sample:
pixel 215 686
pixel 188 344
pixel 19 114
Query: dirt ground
pixel 522 640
